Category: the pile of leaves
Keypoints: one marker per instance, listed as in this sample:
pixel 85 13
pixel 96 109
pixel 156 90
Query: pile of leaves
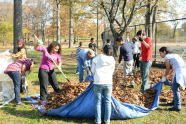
pixel 130 95
pixel 68 92
pixel 133 96
pixel 167 96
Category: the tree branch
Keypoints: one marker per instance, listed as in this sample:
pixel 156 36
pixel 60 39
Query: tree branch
pixel 123 11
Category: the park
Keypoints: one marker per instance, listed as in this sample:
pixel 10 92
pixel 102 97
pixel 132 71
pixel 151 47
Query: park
pixel 43 26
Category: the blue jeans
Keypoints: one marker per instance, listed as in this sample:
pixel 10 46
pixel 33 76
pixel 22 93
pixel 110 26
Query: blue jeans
pixel 105 92
pixel 16 77
pixel 176 93
pixel 145 69
pixel 81 69
pixel 77 67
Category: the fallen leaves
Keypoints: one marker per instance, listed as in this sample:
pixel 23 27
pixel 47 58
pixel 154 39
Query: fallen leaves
pixel 69 91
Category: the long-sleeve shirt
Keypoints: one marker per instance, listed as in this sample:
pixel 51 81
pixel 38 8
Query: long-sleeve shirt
pixel 47 59
pixel 102 68
pixel 83 54
pixel 17 66
pixel 179 68
pixel 77 51
pixel 21 54
pixel 126 52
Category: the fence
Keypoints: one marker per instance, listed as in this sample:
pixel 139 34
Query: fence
pixel 166 33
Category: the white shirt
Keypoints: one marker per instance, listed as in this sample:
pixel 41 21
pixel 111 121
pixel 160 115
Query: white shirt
pixel 179 68
pixel 102 68
pixel 136 49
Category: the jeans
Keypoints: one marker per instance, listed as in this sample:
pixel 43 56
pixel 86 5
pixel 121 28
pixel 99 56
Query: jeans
pixel 16 77
pixel 77 68
pixel 46 77
pixel 103 92
pixel 176 93
pixel 81 69
pixel 128 65
pixel 145 69
pixel 136 59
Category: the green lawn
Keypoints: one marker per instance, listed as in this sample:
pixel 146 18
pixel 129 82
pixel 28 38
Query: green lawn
pixel 9 114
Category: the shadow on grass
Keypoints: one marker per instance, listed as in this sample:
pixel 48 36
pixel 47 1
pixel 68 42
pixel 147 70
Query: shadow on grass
pixel 35 82
pixel 33 114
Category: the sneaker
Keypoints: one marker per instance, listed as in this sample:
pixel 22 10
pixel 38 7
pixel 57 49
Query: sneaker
pixel 170 103
pixel 20 103
pixel 42 102
pixel 174 109
pixel 77 73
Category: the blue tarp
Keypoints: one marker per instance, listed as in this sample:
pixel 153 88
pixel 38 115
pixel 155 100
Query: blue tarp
pixel 83 106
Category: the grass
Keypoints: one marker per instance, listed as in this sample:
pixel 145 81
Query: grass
pixel 9 114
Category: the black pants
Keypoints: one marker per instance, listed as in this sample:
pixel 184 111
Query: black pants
pixel 136 59
pixel 46 77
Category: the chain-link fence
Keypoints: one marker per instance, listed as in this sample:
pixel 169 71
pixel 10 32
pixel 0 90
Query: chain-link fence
pixel 170 33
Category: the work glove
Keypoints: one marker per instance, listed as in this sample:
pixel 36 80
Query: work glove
pixel 40 42
pixel 140 39
pixel 163 79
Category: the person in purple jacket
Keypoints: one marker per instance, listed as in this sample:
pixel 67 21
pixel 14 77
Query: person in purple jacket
pixel 51 56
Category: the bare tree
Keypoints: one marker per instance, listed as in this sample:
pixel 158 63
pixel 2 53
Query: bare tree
pixel 150 15
pixel 58 36
pixel 36 16
pixel 120 14
pixel 70 24
pixel 17 22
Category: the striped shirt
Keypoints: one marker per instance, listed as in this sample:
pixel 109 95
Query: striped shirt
pixel 17 66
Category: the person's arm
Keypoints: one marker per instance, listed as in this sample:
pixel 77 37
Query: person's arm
pixel 147 44
pixel 113 65
pixel 59 62
pixel 93 67
pixel 168 68
pixel 23 70
pixel 167 71
pixel 19 54
pixel 38 47
pixel 120 55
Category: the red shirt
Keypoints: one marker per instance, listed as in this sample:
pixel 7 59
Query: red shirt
pixel 146 53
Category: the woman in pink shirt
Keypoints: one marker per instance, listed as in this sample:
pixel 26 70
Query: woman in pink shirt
pixel 15 71
pixel 47 75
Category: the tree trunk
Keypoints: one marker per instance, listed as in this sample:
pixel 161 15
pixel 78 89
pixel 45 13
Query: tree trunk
pixel 148 19
pixel 153 22
pixel 43 33
pixel 70 24
pixel 58 37
pixel 17 22
pixel 97 31
pixel 175 27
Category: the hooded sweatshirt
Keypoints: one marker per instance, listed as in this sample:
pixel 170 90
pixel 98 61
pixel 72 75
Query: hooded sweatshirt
pixel 102 68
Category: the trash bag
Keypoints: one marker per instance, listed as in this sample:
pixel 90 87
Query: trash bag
pixel 6 83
